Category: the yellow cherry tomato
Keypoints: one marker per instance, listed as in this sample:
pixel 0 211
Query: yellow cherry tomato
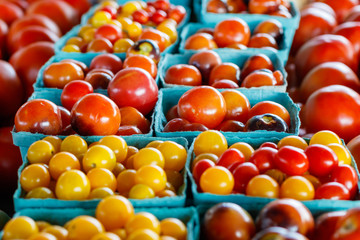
pixel 125 181
pixel 169 30
pixel 72 185
pixel 34 176
pixel 173 227
pixel 148 156
pixel 19 228
pixel 42 225
pixel 42 236
pixel 125 21
pixel 141 191
pixel 100 193
pixel 297 187
pixel 144 234
pixel 99 156
pixel 40 152
pixel 110 3
pixel 294 141
pixel 75 145
pixel 55 141
pixel 106 236
pixel 325 137
pixel 154 144
pixel 134 30
pixel 122 45
pixel 217 180
pixel 59 232
pixel 129 7
pixel 82 30
pixel 114 211
pixel 117 144
pixel 121 232
pixel 245 148
pixel 262 186
pixel 152 176
pixel 143 220
pixel 89 35
pixel 62 162
pixel 101 177
pixel 174 154
pixel 341 152
pixel 83 227
pixel 71 48
pixel 100 18
pixel 40 192
pixel 119 167
pixel 78 41
pixel 210 141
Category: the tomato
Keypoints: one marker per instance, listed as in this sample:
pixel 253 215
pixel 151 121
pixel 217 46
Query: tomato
pixel 217 180
pixel 322 160
pixel 173 227
pixel 341 9
pixel 33 176
pixel 74 144
pixel 325 137
pixel 57 75
pixel 177 13
pixel 200 41
pixel 162 40
pixel 354 147
pixel 261 40
pixel 210 141
pixel 319 77
pixel 63 14
pixel 332 190
pixel 298 188
pixel 294 141
pixel 200 167
pixel 28 61
pixel 158 17
pixel 143 220
pixel 341 152
pixel 291 160
pixel 148 156
pixel 205 61
pixel 256 62
pixel 350 31
pixel 259 78
pixel 134 87
pixel 10 12
pixel 243 173
pixel 346 227
pixel 100 45
pixel 326 223
pixel 73 91
pixel 225 83
pixel 82 6
pixel 101 177
pixel 272 27
pixel 270 107
pixel 262 186
pixel 230 157
pixel 228 71
pixel 231 31
pixel 345 104
pixel 39 116
pixel 346 175
pixel 84 226
pixel 325 48
pixel 20 227
pixel 174 155
pixel 183 74
pixel 203 104
pixel 263 7
pixel 263 158
pixel 62 162
pixel 110 32
pixel 352 15
pixel 99 78
pixel 132 117
pixel 141 61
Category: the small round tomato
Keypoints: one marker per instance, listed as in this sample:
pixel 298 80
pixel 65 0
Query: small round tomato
pixel 143 220
pixel 272 27
pixel 263 7
pixel 108 31
pixel 229 157
pixel 95 114
pixel 346 175
pixel 62 162
pixel 346 227
pixel 57 75
pixel 243 173
pixel 259 78
pixel 225 70
pixel 143 62
pixel 183 74
pixel 99 78
pixel 173 227
pixel 231 31
pixel 297 187
pixel 106 61
pixel 270 107
pixel 202 104
pixel 177 13
pixel 262 186
pixel 210 141
pixel 217 180
pixel 291 160
pixel 84 226
pixel 174 155
pixel 152 176
pixel 200 167
pixel 263 158
pixel 256 62
pixel 73 91
pixel 261 40
pixel 200 41
pixel 162 40
pixel 33 176
pixel 20 227
pixel 205 61
pixel 326 223
pixel 333 191
pixel 130 116
pixel 322 160
pixel 99 156
pixel 100 45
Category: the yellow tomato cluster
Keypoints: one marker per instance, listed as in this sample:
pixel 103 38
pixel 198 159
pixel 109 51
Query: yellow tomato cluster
pixel 114 220
pixel 69 169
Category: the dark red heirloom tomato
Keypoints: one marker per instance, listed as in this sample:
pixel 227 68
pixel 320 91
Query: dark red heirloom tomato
pixel 322 160
pixel 95 114
pixel 291 160
pixel 203 104
pixel 73 91
pixel 134 87
pixel 106 61
pixel 38 116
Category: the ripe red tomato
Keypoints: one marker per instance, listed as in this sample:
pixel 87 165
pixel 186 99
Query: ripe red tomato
pixel 346 175
pixel 263 158
pixel 243 173
pixel 354 147
pixel 333 191
pixel 141 61
pixel 10 12
pixel 131 116
pixel 291 160
pixel 134 87
pixel 82 6
pixel 231 31
pixel 202 104
pixel 58 74
pixel 200 167
pixel 39 116
pixel 106 61
pixel 73 91
pixel 141 16
pixel 95 114
pixel 322 160
pixel 177 13
pixel 11 91
pixel 347 226
pixel 345 104
pixel 341 8
pixel 158 17
pixel 109 31
pixel 183 74
pixel 229 157
pixel 326 223
pixel 205 61
pixel 350 30
pixel 28 61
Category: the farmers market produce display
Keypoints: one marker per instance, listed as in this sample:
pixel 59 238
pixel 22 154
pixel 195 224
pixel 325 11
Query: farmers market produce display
pixel 168 119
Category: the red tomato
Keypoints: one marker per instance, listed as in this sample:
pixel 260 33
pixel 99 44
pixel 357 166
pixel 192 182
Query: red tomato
pixel 65 119
pixel 176 124
pixel 177 13
pixel 269 144
pixel 128 130
pixel 200 167
pixel 243 173
pixel 345 104
pixel 106 61
pixel 341 8
pixel 322 160
pixel 224 83
pixel 11 91
pixel 333 191
pixel 62 13
pixel 354 148
pixel 202 104
pixel 183 74
pixel 141 16
pixel 347 227
pixel 131 116
pixel 230 157
pixel 109 31
pixel 73 91
pixel 10 12
pixel 346 175
pixel 263 158
pixel 325 48
pixel 95 114
pixel 39 116
pixel 58 74
pixel 291 160
pixel 325 225
pixel 158 17
pixel 350 30
pixel 141 61
pixel 28 61
pixel 82 6
pixel 231 31
pixel 205 61
pixel 134 87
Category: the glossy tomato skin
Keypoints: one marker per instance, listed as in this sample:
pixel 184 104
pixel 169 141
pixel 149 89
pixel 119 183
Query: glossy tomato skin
pixel 106 61
pixel 347 226
pixel 11 91
pixel 28 61
pixel 10 12
pixel 333 191
pixel 354 147
pixel 350 30
pixel 230 157
pixel 326 223
pixel 134 87
pixel 73 91
pixel 263 158
pixel 291 160
pixel 279 232
pixel 340 8
pixel 183 74
pixel 231 31
pixel 58 74
pixel 95 114
pixel 202 104
pixel 346 175
pixel 200 167
pixel 39 116
pixel 322 160
pixel 345 104
pixel 243 173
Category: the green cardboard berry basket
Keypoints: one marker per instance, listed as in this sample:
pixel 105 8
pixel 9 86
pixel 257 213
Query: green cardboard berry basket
pixel 20 202
pixel 282 52
pixel 188 215
pixel 84 57
pixel 257 203
pixel 25 139
pixel 170 96
pixel 206 17
pixel 239 58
